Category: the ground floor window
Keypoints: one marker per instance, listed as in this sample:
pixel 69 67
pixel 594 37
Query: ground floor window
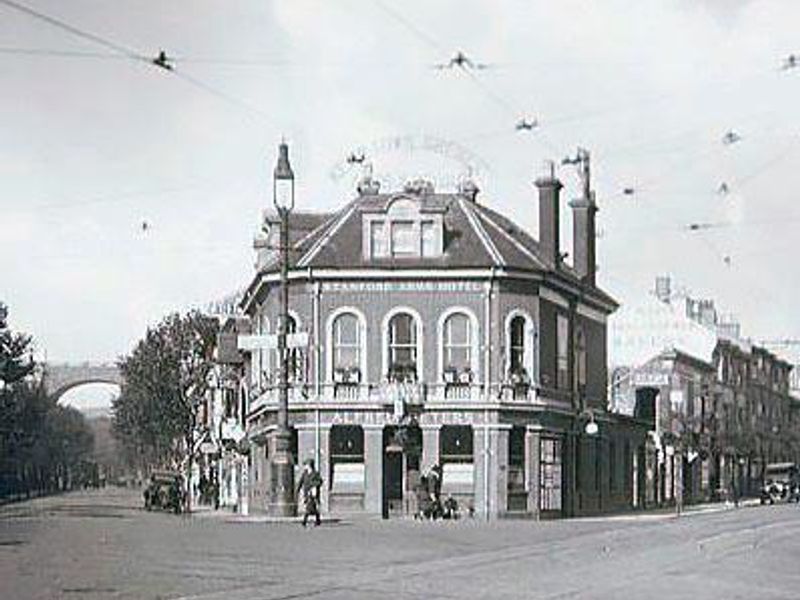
pixel 347 458
pixel 550 452
pixel 456 456
pixel 455 444
pixel 516 459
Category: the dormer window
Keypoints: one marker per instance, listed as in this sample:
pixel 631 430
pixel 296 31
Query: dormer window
pixel 404 241
pixel 378 239
pixel 405 228
pixel 428 235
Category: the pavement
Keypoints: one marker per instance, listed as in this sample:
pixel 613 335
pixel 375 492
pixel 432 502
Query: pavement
pixel 101 544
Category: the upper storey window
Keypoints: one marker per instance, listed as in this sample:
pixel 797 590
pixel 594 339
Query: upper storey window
pixel 404 240
pixel 429 238
pixel 378 239
pixel 403 228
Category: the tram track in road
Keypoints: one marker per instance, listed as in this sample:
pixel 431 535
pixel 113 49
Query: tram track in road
pixel 406 571
pixel 558 554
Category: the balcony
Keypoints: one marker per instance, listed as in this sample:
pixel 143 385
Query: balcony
pixel 411 393
pixel 456 392
pixel 519 393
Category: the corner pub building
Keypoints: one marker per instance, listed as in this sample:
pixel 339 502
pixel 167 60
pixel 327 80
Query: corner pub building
pixel 439 332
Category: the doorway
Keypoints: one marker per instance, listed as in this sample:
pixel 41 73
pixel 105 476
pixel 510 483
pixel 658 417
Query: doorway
pixel 402 447
pixel 392 482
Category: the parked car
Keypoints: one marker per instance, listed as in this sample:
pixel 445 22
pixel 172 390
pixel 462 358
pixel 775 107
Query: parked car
pixel 781 483
pixel 165 491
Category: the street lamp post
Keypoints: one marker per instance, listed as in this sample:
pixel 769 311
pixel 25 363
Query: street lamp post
pixel 282 476
pixel 584 424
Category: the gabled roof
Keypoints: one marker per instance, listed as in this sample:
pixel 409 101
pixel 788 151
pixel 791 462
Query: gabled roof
pixel 474 237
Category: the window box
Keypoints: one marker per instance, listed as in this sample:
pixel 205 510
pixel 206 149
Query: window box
pixel 347 375
pixel 402 373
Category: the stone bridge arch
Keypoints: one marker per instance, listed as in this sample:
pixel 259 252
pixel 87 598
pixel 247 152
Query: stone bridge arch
pixel 60 378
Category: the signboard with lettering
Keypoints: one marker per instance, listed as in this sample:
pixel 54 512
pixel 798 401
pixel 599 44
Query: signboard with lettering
pixel 650 378
pixel 402 286
pixel 269 341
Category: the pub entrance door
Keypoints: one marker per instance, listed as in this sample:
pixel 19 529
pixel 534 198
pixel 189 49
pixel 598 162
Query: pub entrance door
pixel 392 482
pixel 401 454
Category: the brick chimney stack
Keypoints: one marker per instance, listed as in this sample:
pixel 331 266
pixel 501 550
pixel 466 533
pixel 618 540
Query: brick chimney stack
pixel 549 222
pixel 584 231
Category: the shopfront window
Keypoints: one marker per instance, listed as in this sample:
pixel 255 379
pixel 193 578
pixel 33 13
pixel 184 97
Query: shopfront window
pixel 347 459
pixel 550 467
pixel 516 459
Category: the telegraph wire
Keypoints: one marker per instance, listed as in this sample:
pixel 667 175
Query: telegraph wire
pixel 419 33
pixel 62 53
pixel 129 52
pixel 161 61
pixel 464 65
pixel 194 81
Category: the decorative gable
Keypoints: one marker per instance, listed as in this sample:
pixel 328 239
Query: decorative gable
pixel 402 227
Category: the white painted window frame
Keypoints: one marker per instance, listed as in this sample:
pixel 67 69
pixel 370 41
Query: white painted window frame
pixel 420 362
pixel 474 334
pixel 530 357
pixel 362 333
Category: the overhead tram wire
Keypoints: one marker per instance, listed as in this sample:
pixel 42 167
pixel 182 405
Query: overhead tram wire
pixel 50 52
pixel 502 102
pixel 96 39
pixel 162 61
pixel 432 42
pixel 422 35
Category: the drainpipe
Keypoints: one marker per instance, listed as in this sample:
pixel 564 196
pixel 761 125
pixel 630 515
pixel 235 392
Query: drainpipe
pixel 317 369
pixel 487 388
pixel 486 461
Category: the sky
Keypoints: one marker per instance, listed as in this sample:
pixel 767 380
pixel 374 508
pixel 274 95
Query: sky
pixel 94 143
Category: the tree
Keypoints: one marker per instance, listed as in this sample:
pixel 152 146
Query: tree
pixel 165 383
pixel 16 361
pixel 42 445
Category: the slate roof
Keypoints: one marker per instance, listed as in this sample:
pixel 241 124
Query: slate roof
pixel 475 236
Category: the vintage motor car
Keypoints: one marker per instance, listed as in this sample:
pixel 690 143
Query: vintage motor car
pixel 165 491
pixel 781 483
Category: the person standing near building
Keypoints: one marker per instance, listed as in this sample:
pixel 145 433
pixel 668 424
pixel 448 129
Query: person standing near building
pixel 309 485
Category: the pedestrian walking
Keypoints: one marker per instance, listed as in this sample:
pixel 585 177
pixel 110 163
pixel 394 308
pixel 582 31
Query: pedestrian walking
pixel 734 492
pixel 309 486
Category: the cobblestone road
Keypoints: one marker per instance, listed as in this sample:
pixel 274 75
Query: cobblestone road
pixel 102 545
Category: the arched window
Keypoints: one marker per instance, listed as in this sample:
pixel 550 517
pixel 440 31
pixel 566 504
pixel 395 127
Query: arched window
pixel 261 360
pixel 516 335
pixel 457 345
pixel 403 347
pixel 521 350
pixel 346 348
pixel 296 356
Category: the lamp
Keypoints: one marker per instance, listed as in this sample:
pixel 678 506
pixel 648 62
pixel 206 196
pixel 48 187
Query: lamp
pixel 282 480
pixel 591 427
pixel 283 181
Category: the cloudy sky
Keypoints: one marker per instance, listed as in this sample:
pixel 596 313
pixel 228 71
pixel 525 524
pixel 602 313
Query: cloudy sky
pixel 93 143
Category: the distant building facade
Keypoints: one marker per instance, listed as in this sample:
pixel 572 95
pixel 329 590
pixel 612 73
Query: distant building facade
pixel 220 472
pixel 439 332
pixel 719 407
